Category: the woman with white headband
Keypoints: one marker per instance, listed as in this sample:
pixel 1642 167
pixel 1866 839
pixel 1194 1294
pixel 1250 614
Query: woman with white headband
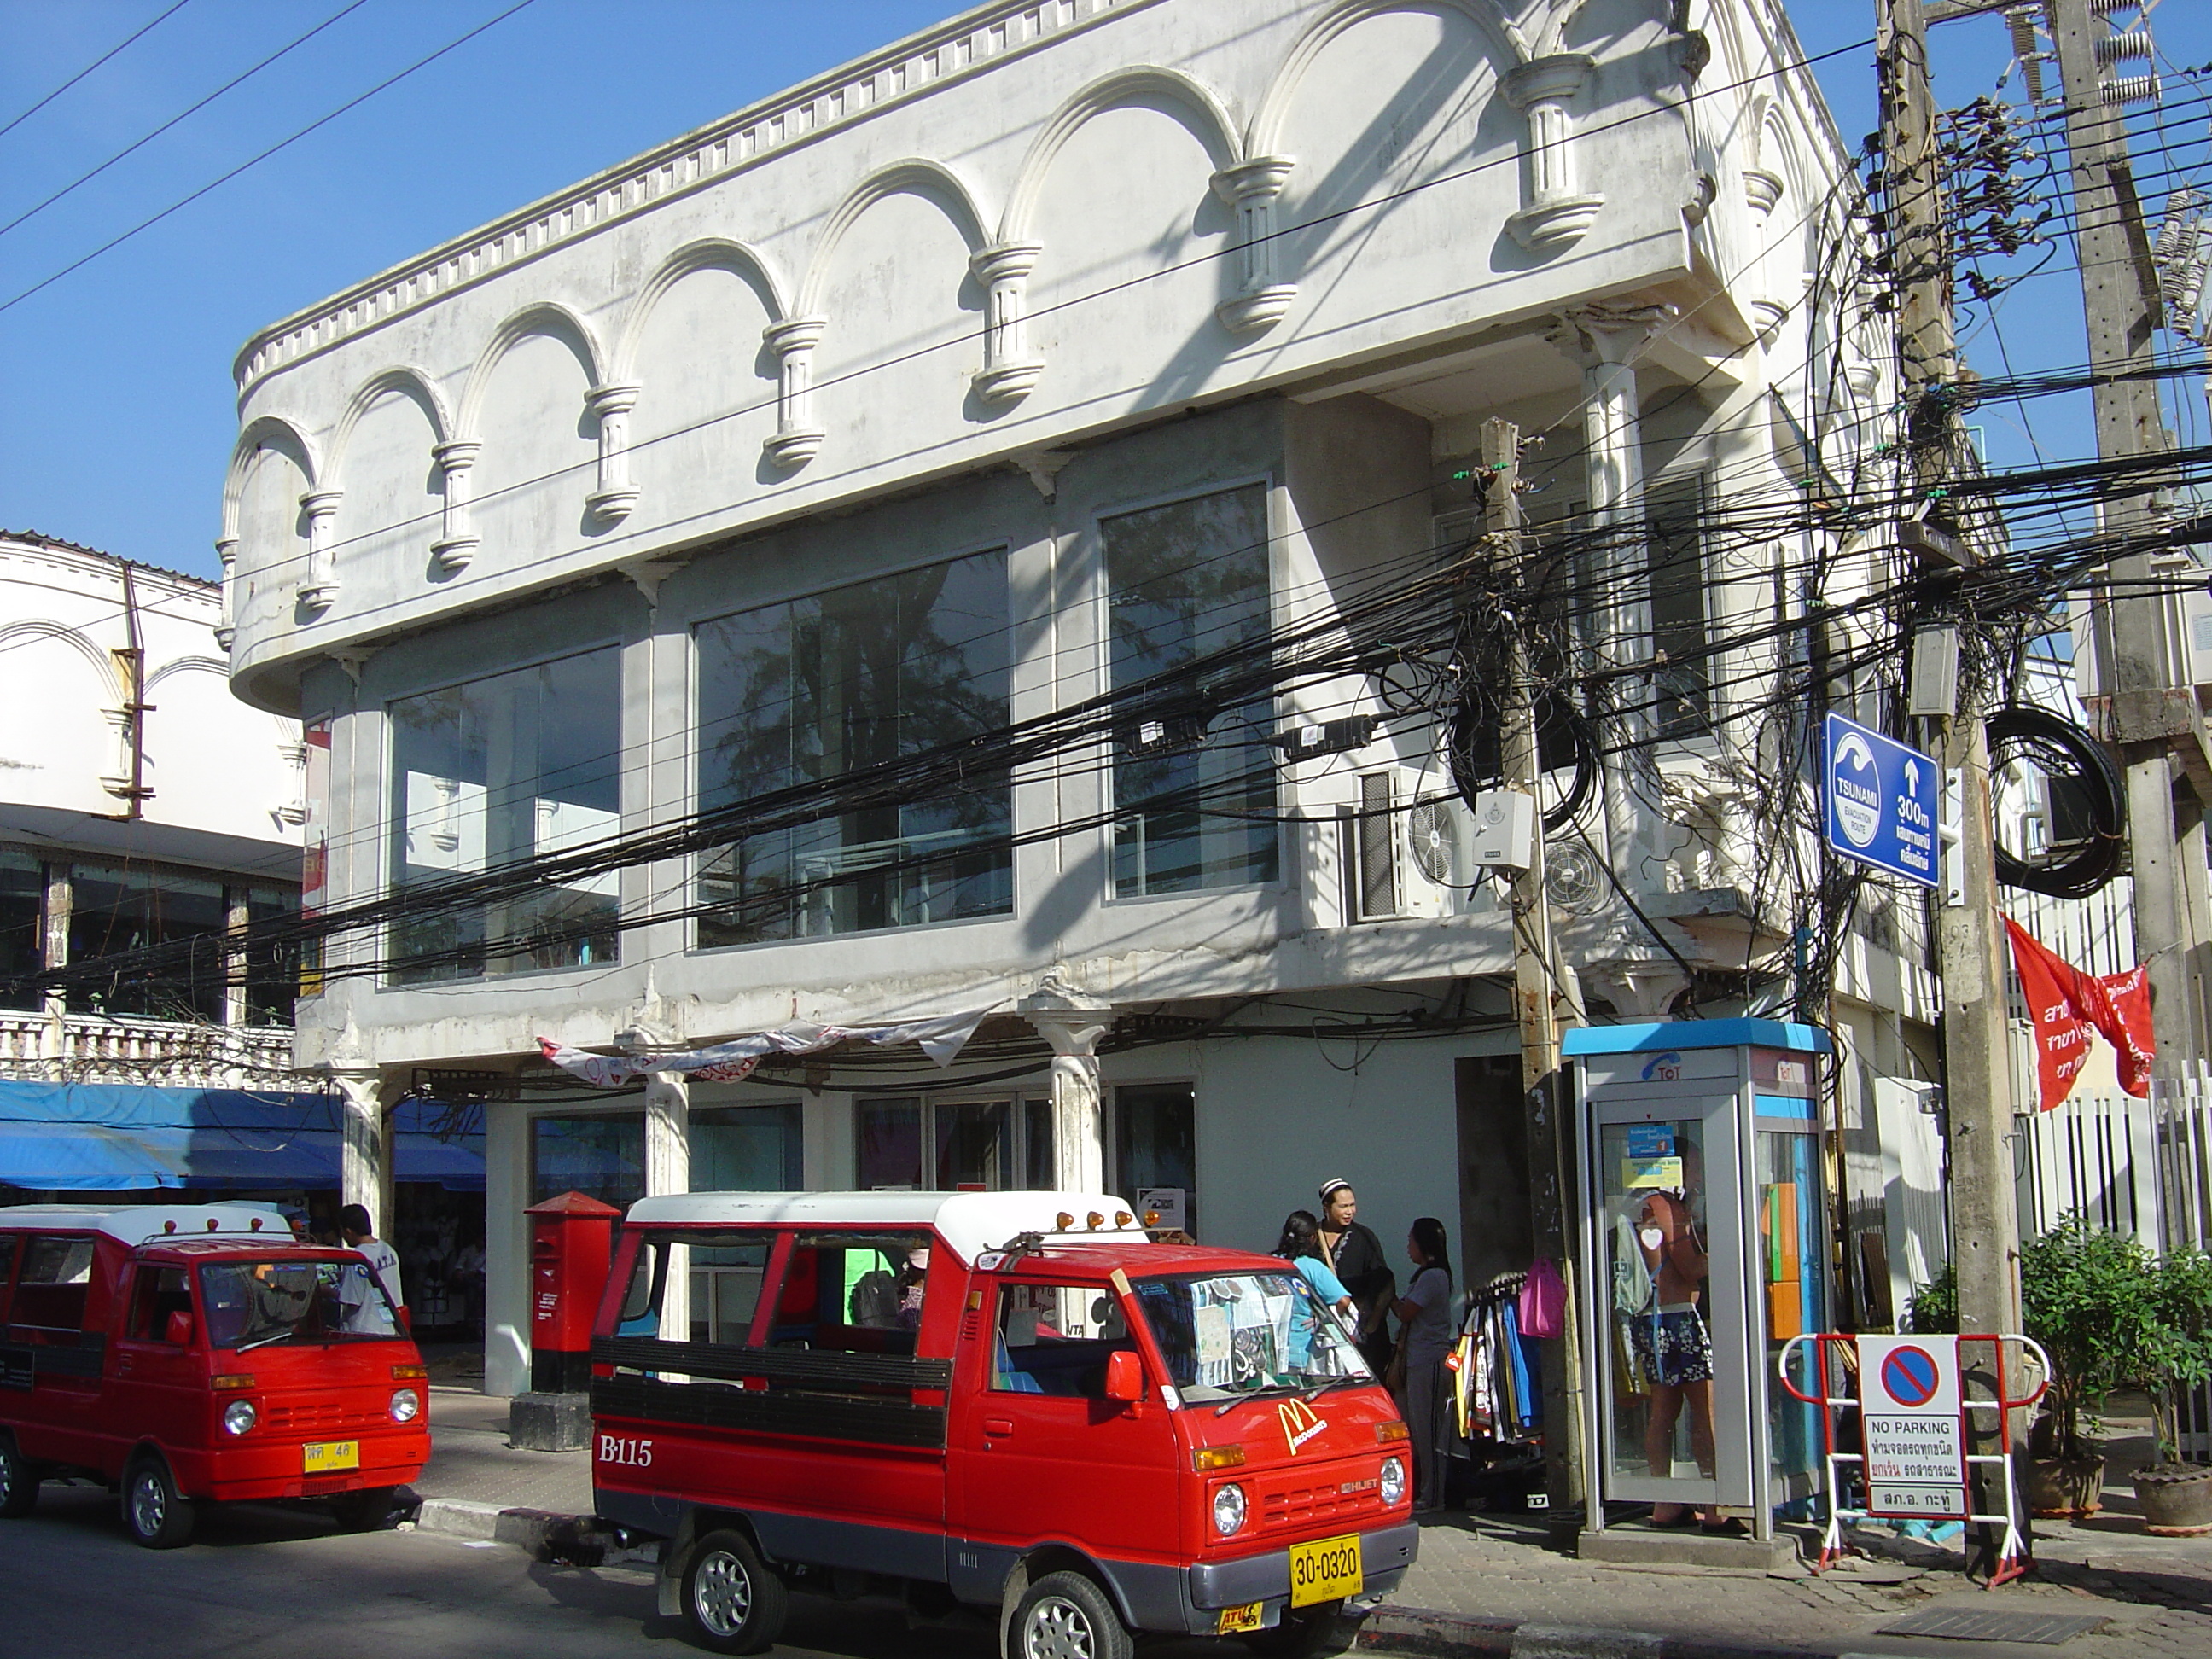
pixel 1357 1259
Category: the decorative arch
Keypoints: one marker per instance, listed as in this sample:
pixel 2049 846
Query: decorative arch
pixel 546 316
pixel 266 432
pixel 40 627
pixel 409 382
pixel 1208 120
pixel 709 253
pixel 931 181
pixel 1508 44
pixel 189 665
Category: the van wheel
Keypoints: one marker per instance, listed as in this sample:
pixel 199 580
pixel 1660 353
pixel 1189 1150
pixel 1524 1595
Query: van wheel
pixel 158 1514
pixel 19 1487
pixel 731 1601
pixel 365 1511
pixel 1067 1616
pixel 1301 1635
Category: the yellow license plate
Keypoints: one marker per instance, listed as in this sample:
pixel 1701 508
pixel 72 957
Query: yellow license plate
pixel 323 1456
pixel 1327 1570
pixel 1236 1618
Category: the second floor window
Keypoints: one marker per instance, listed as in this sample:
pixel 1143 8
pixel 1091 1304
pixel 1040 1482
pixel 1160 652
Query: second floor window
pixel 521 765
pixel 811 695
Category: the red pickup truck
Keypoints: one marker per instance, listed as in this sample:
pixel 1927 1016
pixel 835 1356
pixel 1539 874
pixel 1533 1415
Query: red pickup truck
pixel 196 1353
pixel 1015 1402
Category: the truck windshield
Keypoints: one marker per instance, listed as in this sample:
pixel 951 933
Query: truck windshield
pixel 249 1304
pixel 1226 1336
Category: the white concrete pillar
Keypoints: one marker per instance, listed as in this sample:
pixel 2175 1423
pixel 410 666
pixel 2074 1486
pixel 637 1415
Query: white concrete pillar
pixel 363 1167
pixel 1009 371
pixel 457 537
pixel 615 494
pixel 1557 213
pixel 796 439
pixel 1071 1024
pixel 226 550
pixel 507 1249
pixel 668 1169
pixel 1253 188
pixel 320 587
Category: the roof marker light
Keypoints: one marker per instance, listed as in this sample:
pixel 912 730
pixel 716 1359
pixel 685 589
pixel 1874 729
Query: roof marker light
pixel 253 1225
pixel 168 1226
pixel 214 1225
pixel 1152 1217
pixel 1122 1217
pixel 1094 1220
pixel 1062 1221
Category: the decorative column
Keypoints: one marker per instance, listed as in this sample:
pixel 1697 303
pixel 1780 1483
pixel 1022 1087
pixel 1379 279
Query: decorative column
pixel 1253 188
pixel 226 630
pixel 1604 341
pixel 615 495
pixel 1557 214
pixel 457 540
pixel 1008 372
pixel 364 1166
pixel 1762 190
pixel 797 440
pixel 321 587
pixel 668 1169
pixel 1072 1024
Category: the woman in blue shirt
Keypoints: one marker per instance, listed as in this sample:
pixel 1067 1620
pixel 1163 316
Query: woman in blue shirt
pixel 1300 1246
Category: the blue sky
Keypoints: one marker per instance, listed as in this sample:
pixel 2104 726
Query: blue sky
pixel 119 416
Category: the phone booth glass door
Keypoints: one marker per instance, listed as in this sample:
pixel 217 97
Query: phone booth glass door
pixel 1673 1415
pixel 1793 1271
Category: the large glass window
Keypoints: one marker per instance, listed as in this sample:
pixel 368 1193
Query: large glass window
pixel 793 695
pixel 492 771
pixel 1156 1151
pixel 272 971
pixel 118 908
pixel 601 1156
pixel 1681 687
pixel 22 919
pixel 1185 582
pixel 746 1149
pixel 945 1145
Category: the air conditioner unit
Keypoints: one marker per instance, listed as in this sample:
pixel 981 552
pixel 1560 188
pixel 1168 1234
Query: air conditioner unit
pixel 1410 862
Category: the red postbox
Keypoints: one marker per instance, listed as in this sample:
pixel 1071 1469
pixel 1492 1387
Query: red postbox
pixel 571 1244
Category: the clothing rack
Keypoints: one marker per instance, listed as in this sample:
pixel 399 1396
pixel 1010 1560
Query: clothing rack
pixel 1496 1392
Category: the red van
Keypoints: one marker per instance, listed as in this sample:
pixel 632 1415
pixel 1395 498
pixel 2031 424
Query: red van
pixel 190 1353
pixel 1016 1402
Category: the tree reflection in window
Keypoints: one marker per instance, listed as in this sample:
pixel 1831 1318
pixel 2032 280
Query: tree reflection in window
pixel 832 684
pixel 1185 580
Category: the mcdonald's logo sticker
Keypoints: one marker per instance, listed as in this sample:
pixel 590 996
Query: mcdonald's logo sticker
pixel 1300 1423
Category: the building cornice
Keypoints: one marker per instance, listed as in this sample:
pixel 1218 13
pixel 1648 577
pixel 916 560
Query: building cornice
pixel 978 39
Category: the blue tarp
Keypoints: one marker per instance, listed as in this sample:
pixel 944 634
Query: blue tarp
pixel 94 1137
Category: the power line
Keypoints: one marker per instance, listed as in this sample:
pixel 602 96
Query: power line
pixel 128 39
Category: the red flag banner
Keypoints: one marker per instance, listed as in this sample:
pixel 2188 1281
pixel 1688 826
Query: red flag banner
pixel 2065 1005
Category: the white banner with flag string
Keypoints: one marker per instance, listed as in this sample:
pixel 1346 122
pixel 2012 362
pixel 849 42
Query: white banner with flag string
pixel 941 1038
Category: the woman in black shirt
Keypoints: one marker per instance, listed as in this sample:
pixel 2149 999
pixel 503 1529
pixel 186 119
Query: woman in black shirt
pixel 1357 1256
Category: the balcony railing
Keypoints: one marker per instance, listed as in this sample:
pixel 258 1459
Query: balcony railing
pixel 36 1047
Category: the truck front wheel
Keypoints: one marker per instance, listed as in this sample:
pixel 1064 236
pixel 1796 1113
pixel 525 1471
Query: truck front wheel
pixel 158 1514
pixel 1066 1616
pixel 731 1601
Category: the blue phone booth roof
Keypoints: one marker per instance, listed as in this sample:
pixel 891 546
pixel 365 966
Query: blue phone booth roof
pixel 1695 1033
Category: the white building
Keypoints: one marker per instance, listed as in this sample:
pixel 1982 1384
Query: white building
pixel 980 378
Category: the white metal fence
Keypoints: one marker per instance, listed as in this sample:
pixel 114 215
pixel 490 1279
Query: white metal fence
pixel 2183 1119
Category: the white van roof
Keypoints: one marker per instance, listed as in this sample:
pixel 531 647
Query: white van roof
pixel 969 1223
pixel 140 1223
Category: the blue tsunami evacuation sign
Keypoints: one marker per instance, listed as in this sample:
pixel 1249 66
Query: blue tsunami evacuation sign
pixel 1880 801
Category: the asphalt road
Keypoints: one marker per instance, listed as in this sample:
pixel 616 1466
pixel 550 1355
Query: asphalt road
pixel 269 1584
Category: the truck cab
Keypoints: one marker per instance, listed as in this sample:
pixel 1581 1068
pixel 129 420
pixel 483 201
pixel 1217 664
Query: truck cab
pixel 183 1355
pixel 1015 1403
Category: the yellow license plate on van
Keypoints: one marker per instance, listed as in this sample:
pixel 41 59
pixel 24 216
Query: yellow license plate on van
pixel 1325 1570
pixel 323 1456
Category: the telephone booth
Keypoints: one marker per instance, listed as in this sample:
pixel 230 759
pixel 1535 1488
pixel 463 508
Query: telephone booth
pixel 1704 1237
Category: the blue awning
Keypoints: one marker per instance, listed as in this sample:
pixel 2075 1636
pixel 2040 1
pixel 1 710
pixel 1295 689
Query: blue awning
pixel 117 1137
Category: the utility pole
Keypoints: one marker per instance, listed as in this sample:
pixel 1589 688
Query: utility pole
pixel 2149 713
pixel 1976 1068
pixel 1535 975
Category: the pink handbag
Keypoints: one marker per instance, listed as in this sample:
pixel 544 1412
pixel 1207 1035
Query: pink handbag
pixel 1543 1305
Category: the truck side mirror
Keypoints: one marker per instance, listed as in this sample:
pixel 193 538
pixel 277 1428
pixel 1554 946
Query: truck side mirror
pixel 1125 1376
pixel 178 1332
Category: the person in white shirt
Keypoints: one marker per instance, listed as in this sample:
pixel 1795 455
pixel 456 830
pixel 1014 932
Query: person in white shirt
pixel 363 1312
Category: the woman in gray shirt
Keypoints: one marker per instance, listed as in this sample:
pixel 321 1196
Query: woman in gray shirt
pixel 1427 1337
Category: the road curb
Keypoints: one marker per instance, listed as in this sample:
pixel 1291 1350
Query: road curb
pixel 1455 1636
pixel 581 1541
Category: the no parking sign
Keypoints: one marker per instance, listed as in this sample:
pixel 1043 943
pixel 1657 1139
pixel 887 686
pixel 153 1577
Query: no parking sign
pixel 1916 1462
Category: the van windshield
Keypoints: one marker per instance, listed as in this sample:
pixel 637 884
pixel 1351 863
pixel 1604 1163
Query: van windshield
pixel 249 1304
pixel 1228 1336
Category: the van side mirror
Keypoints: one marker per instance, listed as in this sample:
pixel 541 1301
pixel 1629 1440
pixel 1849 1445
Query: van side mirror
pixel 178 1332
pixel 1125 1376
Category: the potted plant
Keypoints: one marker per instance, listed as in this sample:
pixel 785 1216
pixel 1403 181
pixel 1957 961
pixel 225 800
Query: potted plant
pixel 2088 1298
pixel 2176 1496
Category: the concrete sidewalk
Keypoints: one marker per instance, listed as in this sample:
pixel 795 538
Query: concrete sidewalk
pixel 1496 1585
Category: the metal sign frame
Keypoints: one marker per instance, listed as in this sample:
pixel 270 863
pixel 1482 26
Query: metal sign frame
pixel 2012 1554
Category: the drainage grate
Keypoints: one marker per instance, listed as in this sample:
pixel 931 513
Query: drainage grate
pixel 1971 1625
